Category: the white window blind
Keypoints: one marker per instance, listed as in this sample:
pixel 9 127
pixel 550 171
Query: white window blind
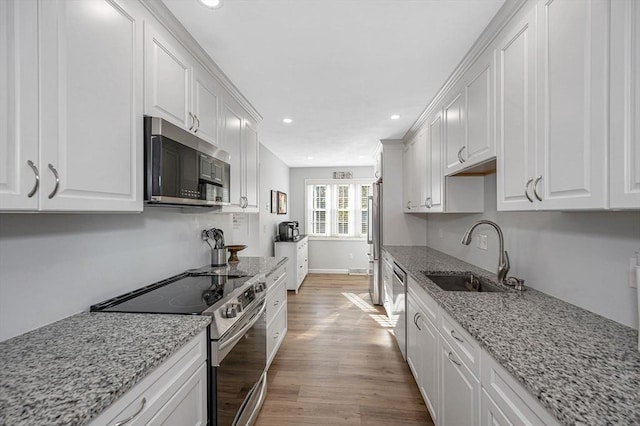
pixel 337 208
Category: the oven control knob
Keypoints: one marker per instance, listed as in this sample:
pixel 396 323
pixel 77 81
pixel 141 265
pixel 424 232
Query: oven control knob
pixel 230 311
pixel 260 287
pixel 238 307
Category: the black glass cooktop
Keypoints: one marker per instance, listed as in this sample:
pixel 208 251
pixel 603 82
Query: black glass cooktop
pixel 183 294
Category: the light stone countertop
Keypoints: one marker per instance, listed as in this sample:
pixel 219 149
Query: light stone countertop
pixel 68 372
pixel 584 368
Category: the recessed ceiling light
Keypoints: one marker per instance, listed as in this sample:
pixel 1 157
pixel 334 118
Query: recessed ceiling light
pixel 309 158
pixel 213 4
pixel 287 120
pixel 395 117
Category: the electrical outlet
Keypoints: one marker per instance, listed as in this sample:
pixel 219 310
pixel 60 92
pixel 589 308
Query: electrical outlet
pixel 481 241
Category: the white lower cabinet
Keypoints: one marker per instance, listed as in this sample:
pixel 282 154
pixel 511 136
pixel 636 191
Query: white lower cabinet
pixel 459 389
pixel 175 393
pixel 297 254
pixel 276 311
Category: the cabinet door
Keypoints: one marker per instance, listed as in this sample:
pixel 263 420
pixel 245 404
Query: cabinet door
pixel 434 160
pixel 188 406
pixel 251 166
pixel 231 142
pixel 206 101
pixel 413 351
pixel 91 104
pixel 573 109
pixel 18 105
pixel 490 414
pixel 459 390
pixel 515 110
pixel 480 142
pixel 624 166
pixel 420 176
pixel 428 347
pixel 407 181
pixel 454 132
pixel 167 79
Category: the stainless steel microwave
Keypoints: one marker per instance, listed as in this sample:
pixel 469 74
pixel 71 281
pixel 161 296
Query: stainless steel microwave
pixel 182 169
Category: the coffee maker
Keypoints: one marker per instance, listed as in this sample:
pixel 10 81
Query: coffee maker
pixel 288 231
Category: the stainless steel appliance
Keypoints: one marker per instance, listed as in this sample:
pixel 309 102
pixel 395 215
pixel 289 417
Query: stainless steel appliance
pixel 182 169
pixel 374 238
pixel 237 360
pixel 399 308
pixel 288 231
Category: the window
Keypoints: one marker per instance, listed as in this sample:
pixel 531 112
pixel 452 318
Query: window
pixel 337 208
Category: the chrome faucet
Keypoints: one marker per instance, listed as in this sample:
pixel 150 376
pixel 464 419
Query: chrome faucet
pixel 503 259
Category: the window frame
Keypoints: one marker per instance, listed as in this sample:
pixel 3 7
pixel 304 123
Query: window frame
pixel 331 224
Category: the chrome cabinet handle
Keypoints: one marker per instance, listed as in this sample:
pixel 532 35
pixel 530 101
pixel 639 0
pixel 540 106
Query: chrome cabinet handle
pixel 454 336
pixel 246 202
pixel 198 125
pixel 416 317
pixel 276 334
pixel 408 205
pixel 37 184
pixel 462 160
pixel 453 360
pixel 55 173
pixel 535 187
pixel 276 303
pixel 376 174
pixel 429 202
pixel 127 420
pixel 526 190
pixel 193 121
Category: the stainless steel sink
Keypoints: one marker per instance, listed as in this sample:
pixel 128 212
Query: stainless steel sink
pixel 463 282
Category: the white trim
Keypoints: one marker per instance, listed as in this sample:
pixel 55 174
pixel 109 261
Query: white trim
pixel 329 271
pixel 323 238
pixel 359 181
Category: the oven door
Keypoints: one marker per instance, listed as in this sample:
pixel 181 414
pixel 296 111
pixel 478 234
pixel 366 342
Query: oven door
pixel 238 364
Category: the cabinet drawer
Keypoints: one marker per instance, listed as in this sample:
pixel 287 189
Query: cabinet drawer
pixel 514 401
pixel 462 342
pixel 147 398
pixel 275 334
pixel 276 298
pixel 275 276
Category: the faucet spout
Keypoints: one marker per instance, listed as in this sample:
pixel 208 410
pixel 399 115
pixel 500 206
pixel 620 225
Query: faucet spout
pixel 503 257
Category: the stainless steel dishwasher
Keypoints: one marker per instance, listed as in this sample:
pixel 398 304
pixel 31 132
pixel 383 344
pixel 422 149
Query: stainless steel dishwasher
pixel 399 308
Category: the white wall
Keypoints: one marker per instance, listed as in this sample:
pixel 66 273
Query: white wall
pixel 579 257
pixel 55 265
pixel 325 255
pixel 274 175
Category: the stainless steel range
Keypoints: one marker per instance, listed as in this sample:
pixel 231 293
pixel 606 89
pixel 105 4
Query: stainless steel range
pixel 238 353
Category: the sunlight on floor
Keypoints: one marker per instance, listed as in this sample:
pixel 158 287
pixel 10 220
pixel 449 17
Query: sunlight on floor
pixel 381 319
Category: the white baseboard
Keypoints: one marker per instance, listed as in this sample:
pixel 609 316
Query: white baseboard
pixel 329 271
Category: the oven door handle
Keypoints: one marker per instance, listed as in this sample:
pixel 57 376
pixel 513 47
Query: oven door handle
pixel 235 337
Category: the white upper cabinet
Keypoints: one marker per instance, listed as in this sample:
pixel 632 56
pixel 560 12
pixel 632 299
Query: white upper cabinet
pixel 419 158
pixel 516 112
pixel 251 173
pixel 231 142
pixel 80 136
pixel 624 161
pixel 435 200
pixel 572 112
pixel 19 154
pixel 454 131
pixel 407 177
pixel 178 88
pixel 167 79
pixel 91 99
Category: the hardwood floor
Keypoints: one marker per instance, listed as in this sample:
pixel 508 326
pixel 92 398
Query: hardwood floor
pixel 339 363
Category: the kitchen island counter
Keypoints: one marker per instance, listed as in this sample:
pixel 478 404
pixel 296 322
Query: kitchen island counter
pixel 584 368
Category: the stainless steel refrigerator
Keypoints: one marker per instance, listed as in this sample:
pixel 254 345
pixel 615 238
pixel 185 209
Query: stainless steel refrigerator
pixel 374 238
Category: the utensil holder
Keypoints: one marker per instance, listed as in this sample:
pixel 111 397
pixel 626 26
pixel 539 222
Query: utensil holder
pixel 219 257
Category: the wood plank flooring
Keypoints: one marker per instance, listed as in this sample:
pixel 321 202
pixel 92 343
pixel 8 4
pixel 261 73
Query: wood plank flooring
pixel 339 363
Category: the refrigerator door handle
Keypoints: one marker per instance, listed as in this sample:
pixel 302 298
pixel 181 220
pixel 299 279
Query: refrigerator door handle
pixel 370 220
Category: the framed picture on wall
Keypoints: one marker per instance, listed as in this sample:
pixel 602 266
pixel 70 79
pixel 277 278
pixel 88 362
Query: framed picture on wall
pixel 282 203
pixel 274 201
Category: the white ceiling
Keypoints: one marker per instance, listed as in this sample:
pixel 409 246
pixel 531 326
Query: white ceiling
pixel 338 68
